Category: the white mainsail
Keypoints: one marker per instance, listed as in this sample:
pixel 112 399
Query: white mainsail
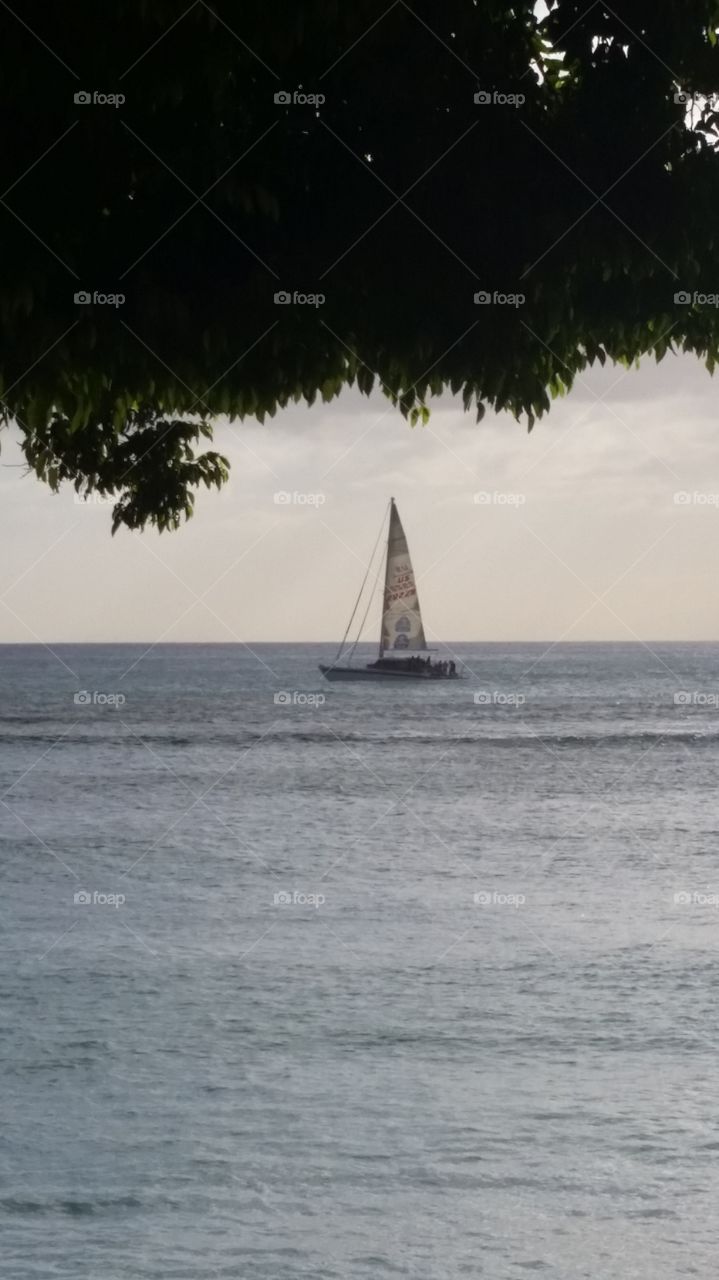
pixel 402 629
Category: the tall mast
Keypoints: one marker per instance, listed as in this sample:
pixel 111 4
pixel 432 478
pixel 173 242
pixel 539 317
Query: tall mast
pixel 392 510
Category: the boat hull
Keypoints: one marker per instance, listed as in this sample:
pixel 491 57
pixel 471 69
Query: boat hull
pixel 366 673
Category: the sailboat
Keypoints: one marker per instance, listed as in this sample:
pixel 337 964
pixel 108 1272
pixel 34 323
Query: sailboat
pixel 403 653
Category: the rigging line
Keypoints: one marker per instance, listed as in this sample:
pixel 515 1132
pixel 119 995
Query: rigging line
pixel 359 597
pixel 364 620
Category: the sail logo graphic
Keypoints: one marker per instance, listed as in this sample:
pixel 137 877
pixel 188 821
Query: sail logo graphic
pixel 402 576
pixel 401 585
pixel 403 624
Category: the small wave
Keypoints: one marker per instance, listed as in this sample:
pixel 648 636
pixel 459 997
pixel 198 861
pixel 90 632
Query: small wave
pixel 121 740
pixel 73 1208
pixel 26 717
pixel 539 739
pixel 654 1213
pixel 379 1263
pixel 261 740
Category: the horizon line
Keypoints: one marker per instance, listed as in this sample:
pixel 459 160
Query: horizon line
pixel 178 644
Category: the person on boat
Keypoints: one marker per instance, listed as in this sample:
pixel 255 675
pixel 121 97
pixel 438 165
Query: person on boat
pixel 452 669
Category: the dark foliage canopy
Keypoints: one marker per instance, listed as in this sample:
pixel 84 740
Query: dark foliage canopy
pixel 336 151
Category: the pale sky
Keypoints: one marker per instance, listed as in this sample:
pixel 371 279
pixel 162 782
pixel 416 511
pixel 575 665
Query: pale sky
pixel 598 519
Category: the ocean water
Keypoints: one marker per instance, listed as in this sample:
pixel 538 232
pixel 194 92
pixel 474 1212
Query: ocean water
pixel 413 981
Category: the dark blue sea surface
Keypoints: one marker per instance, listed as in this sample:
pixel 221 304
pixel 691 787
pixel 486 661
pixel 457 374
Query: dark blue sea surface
pixel 337 981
